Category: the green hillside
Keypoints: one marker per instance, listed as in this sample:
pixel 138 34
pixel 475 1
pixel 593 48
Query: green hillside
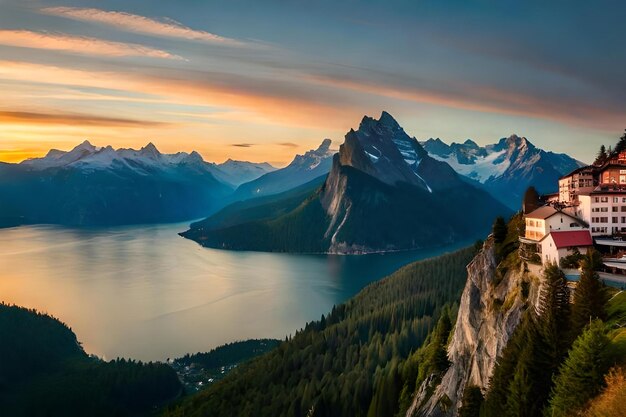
pixel 346 363
pixel 45 372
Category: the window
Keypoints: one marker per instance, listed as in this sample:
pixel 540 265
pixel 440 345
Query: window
pixel 616 199
pixel 623 219
pixel 604 199
pixel 614 219
pixel 604 209
pixel 614 209
pixel 575 224
pixel 604 219
pixel 597 199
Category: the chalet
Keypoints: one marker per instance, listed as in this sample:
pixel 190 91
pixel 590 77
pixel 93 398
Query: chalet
pixel 559 244
pixel 546 219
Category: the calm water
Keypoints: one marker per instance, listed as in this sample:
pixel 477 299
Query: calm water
pixel 144 292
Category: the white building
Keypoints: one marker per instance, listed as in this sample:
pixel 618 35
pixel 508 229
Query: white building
pixel 559 244
pixel 604 211
pixel 546 219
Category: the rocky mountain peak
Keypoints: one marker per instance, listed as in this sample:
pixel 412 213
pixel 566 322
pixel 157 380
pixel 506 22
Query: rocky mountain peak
pixel 325 145
pixel 86 146
pixel 471 143
pixel 387 120
pixel 150 150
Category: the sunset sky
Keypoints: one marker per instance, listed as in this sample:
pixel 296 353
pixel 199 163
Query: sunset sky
pixel 263 80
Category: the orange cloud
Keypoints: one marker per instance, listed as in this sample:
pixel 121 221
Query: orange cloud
pixel 72 119
pixel 221 90
pixel 137 24
pixel 489 100
pixel 78 44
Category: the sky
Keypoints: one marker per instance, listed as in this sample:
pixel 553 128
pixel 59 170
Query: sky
pixel 263 80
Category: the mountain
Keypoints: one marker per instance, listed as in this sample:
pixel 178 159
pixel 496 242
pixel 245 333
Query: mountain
pixel 45 372
pixel 383 193
pixel 260 208
pixel 507 168
pixel 301 170
pixel 102 186
pixel 236 173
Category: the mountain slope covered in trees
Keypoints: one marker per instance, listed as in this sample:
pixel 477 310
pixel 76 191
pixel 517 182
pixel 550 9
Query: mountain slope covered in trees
pixel 45 372
pixel 352 362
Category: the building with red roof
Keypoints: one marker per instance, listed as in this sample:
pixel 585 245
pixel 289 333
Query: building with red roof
pixel 559 244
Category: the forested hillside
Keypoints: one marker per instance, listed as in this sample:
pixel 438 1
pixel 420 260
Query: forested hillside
pixel 559 355
pixel 45 372
pixel 354 360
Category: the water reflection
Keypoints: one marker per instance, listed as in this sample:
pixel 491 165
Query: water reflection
pixel 146 293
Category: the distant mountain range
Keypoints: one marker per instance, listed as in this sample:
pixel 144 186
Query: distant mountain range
pixel 92 185
pixel 301 170
pixel 236 173
pixel 103 186
pixel 384 192
pixel 507 168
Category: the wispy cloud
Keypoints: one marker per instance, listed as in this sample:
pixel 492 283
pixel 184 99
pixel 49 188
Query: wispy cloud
pixel 72 119
pixel 138 24
pixel 78 44
pixel 288 144
pixel 243 145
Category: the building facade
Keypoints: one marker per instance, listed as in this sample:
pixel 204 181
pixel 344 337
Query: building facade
pixel 559 244
pixel 604 211
pixel 546 219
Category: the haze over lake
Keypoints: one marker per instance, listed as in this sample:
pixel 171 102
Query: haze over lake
pixel 146 293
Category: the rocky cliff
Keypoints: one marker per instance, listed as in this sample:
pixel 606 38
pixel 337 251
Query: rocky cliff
pixel 494 298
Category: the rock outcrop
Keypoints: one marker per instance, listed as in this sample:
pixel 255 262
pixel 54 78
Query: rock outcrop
pixel 494 298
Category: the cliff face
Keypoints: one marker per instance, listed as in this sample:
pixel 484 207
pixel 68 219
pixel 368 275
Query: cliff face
pixel 492 304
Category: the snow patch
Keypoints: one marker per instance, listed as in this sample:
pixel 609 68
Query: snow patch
pixel 482 169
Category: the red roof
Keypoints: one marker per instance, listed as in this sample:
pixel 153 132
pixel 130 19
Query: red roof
pixel 569 238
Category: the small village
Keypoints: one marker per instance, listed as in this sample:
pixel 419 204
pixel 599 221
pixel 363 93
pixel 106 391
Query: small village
pixel 588 211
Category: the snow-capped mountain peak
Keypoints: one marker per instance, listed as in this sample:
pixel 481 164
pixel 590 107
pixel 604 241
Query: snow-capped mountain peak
pixel 382 148
pixel 150 151
pixel 507 167
pixel 312 159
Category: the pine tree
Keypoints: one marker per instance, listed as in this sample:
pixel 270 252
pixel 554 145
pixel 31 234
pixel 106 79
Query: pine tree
pixel 581 375
pixel 499 230
pixel 520 401
pixel 554 314
pixel 602 156
pixel 472 401
pixel 590 296
pixel 505 368
pixel 621 144
pixel 532 200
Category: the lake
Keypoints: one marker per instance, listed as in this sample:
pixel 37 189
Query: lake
pixel 146 293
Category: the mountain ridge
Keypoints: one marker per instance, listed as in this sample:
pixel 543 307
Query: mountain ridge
pixel 302 169
pixel 506 168
pixel 383 193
